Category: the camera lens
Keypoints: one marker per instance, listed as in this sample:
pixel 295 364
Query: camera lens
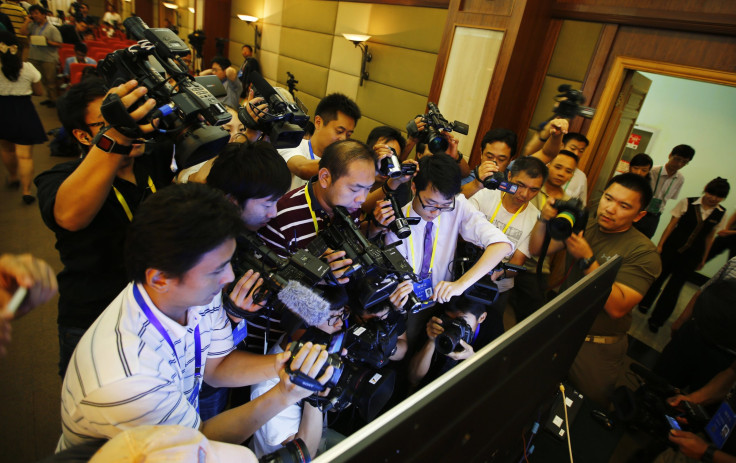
pixel 560 228
pixel 437 143
pixel 400 227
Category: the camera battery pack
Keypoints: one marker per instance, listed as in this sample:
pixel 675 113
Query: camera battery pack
pixel 556 421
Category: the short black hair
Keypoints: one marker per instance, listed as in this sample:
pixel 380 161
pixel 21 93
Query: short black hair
pixel 442 172
pixel 389 133
pixel 249 171
pixel 309 128
pixel 569 154
pixel 421 148
pixel 38 8
pixel 641 160
pixel 463 304
pixel 174 228
pixel 718 187
pixel 532 166
pixel 635 183
pixel 686 151
pixel 339 155
pixel 72 106
pixel 81 47
pixel 575 136
pixel 222 61
pixel 248 47
pixel 329 106
pixel 503 135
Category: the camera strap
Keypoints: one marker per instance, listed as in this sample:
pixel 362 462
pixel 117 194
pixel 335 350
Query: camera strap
pixel 117 115
pixel 498 207
pixel 311 151
pixel 309 203
pixel 197 344
pixel 124 203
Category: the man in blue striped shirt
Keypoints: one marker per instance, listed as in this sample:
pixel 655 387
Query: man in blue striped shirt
pixel 143 360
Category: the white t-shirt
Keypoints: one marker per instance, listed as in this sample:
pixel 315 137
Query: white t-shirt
pixel 577 187
pixel 519 230
pixel 303 151
pixel 123 372
pixel 269 437
pixel 110 17
pixel 28 75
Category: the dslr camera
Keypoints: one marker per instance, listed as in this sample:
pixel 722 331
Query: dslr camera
pixel 455 329
pixel 351 382
pixel 497 181
pixel 300 271
pixel 181 106
pixel 571 218
pixel 375 271
pixel 283 122
pixel 435 125
pixel 570 103
pixel 390 166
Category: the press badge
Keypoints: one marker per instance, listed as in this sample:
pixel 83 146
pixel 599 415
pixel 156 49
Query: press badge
pixel 721 425
pixel 424 290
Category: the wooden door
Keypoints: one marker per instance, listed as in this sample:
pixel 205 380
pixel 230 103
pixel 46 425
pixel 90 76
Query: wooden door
pixel 216 24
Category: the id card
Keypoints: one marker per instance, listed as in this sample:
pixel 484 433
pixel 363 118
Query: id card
pixel 424 291
pixel 720 426
pixel 654 206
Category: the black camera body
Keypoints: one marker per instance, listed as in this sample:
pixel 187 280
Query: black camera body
pixel 181 108
pixel 375 271
pixel 252 253
pixel 391 167
pixel 373 343
pixel 454 329
pixel 284 122
pixel 497 181
pixel 401 226
pixel 435 125
pixel 571 218
pixel 570 103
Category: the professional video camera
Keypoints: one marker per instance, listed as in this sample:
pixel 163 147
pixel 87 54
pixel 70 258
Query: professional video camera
pixel 484 290
pixel 373 342
pixel 570 103
pixel 283 122
pixel 390 166
pixel 196 40
pixel 454 329
pixel 436 124
pixel 497 181
pixel 571 218
pixel 375 272
pixel 351 383
pixel 287 281
pixel 179 106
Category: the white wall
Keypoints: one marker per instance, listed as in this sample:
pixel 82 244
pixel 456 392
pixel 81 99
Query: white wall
pixel 703 116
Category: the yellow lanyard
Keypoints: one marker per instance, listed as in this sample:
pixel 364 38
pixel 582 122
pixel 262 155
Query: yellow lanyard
pixel 124 203
pixel 512 217
pixel 434 246
pixel 311 211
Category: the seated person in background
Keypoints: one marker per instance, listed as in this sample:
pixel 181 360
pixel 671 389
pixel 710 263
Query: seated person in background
pixel 428 364
pixel 641 164
pixel 684 247
pixel 334 120
pixel 515 217
pixel 73 33
pixel 530 288
pixel 600 360
pixel 143 359
pixel 443 214
pixel 80 56
pixel 498 148
pixel 300 420
pixel 228 75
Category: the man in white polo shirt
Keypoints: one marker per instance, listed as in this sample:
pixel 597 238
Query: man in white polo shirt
pixel 143 360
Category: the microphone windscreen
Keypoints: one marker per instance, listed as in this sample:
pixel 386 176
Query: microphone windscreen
pixel 305 303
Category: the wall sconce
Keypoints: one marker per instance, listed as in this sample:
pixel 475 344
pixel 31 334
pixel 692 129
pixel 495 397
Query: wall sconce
pixel 191 9
pixel 359 41
pixel 171 6
pixel 251 20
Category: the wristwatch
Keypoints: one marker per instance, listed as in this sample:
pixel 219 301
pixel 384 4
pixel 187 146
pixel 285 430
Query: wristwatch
pixel 710 452
pixel 584 264
pixel 108 145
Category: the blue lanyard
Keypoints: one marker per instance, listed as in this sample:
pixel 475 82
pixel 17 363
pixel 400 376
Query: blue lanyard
pixel 197 344
pixel 311 153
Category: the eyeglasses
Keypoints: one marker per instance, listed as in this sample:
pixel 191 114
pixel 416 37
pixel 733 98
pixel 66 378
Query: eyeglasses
pixel 436 208
pixel 342 315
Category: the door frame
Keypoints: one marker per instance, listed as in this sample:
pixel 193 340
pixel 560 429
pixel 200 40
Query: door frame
pixel 602 125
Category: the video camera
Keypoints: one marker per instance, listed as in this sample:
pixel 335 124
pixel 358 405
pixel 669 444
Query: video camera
pixel 435 125
pixel 285 279
pixel 375 272
pixel 283 122
pixel 373 343
pixel 391 167
pixel 350 383
pixel 497 181
pixel 179 106
pixel 570 103
pixel 401 224
pixel 571 218
pixel 485 289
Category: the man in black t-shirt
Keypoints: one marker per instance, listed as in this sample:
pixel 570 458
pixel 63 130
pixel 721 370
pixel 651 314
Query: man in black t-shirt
pixel 89 203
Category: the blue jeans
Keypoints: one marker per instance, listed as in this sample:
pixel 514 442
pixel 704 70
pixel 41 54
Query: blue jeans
pixel 68 339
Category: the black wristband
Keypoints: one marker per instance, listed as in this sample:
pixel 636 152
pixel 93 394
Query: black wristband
pixel 108 145
pixel 585 264
pixel 709 454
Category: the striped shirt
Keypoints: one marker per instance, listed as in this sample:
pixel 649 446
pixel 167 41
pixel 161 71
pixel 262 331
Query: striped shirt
pixel 16 13
pixel 294 227
pixel 123 373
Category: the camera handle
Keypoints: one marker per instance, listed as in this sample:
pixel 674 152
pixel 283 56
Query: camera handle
pixel 117 115
pixel 303 380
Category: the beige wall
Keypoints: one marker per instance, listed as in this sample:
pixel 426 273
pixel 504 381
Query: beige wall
pixel 305 38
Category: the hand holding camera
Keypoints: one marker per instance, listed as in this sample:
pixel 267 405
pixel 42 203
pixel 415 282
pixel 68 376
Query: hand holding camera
pixel 244 291
pixel 304 371
pixel 340 268
pixel 127 95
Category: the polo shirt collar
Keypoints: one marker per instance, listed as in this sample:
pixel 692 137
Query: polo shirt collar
pixel 178 331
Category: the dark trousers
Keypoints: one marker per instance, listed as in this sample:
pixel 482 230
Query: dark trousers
pixel 527 295
pixel 648 224
pixel 678 268
pixel 68 339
